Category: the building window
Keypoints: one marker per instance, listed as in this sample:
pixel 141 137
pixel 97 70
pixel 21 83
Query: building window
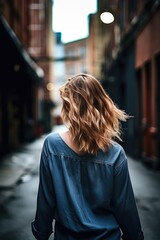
pixel 82 51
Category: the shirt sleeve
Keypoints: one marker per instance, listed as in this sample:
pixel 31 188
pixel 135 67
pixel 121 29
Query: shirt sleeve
pixel 42 225
pixel 124 205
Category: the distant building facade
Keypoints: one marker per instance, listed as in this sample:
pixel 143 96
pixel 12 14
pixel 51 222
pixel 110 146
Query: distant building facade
pixel 76 57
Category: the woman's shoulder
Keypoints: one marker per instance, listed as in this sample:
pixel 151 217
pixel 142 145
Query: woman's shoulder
pixel 116 147
pixel 51 142
pixel 116 153
pixel 51 137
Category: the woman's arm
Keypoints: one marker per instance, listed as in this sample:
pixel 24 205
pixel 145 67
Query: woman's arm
pixel 124 205
pixel 42 225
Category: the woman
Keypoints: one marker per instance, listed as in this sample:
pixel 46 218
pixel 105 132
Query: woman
pixel 84 180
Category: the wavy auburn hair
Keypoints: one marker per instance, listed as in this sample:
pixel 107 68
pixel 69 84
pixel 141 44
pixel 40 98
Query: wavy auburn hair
pixel 92 117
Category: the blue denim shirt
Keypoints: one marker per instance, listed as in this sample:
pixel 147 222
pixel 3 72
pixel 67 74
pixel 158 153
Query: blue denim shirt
pixel 90 197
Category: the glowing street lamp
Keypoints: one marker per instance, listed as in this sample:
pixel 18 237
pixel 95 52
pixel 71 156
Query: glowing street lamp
pixel 107 17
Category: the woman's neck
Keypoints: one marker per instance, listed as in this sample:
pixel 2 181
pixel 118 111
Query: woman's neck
pixel 66 136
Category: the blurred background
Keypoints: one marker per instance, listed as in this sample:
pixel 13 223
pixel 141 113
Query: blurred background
pixel 42 42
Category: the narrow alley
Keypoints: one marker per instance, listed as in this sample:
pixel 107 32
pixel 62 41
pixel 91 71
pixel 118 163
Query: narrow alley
pixel 121 50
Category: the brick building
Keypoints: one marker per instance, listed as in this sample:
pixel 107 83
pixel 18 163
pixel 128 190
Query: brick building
pixel 131 74
pixel 26 42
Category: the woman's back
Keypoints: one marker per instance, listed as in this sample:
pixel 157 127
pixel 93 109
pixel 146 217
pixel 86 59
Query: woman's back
pixel 85 192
